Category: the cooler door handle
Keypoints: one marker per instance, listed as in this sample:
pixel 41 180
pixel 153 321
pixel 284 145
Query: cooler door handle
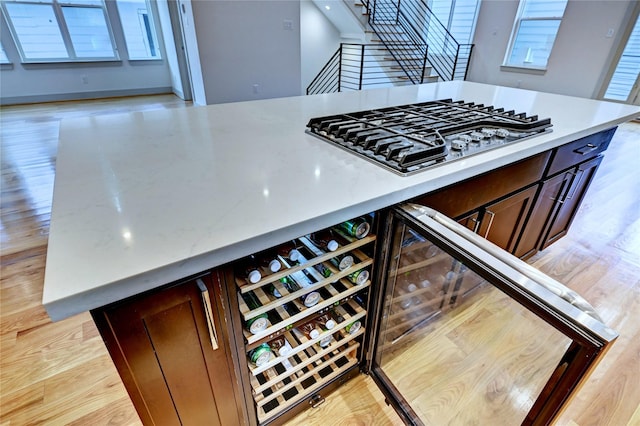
pixel 206 302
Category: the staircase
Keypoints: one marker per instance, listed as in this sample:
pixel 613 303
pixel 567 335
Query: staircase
pixel 409 45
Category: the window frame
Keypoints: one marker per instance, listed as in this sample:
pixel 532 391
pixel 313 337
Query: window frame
pixel 154 20
pixel 57 6
pixel 534 69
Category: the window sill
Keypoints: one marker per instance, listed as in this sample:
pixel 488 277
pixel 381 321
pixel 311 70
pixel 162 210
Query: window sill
pixel 523 70
pixel 68 61
pixel 6 66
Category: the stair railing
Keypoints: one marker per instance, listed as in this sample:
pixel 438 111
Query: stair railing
pixel 413 20
pixel 403 42
pixel 356 66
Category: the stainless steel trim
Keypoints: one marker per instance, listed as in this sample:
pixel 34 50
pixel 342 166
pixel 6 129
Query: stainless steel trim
pixel 206 303
pixel 550 292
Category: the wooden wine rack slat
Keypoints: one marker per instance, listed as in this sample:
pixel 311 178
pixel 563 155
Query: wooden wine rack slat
pixel 284 404
pixel 245 286
pixel 303 343
pixel 351 289
pixel 331 356
pixel 420 264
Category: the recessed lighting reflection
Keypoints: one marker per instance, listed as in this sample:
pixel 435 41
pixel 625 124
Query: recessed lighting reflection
pixel 126 234
pixel 265 192
pixel 327 7
pixel 317 172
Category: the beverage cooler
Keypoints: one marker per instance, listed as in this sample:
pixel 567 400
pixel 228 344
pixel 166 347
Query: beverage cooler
pixel 452 328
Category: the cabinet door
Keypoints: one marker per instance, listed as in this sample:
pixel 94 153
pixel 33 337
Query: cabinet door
pixel 547 204
pixel 568 205
pixel 164 349
pixel 503 220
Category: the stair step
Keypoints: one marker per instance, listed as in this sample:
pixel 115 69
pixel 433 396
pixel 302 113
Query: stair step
pixel 410 58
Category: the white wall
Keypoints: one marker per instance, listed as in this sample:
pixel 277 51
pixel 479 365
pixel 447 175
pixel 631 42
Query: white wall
pixel 319 40
pixel 245 43
pixel 23 83
pixel 580 57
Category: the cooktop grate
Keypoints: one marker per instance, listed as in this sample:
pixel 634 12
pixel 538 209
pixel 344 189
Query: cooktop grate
pixel 409 138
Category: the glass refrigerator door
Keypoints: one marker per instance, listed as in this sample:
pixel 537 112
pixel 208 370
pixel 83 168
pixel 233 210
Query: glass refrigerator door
pixel 469 334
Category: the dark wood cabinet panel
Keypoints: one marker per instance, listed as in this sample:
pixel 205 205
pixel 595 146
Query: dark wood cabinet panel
pixel 504 220
pixel 162 347
pixel 551 191
pixel 463 197
pixel 578 151
pixel 560 220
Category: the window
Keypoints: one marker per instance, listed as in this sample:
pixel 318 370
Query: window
pixel 459 16
pixel 627 71
pixel 139 30
pixel 534 33
pixel 60 30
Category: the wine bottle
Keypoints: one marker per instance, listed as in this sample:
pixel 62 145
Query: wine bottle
pixel 258 323
pixel 358 227
pixel 260 355
pixel 325 321
pixel 324 240
pixel 343 261
pixel 353 327
pixel 289 251
pixel 359 277
pixel 268 260
pixel 280 346
pixel 309 330
pixel 250 270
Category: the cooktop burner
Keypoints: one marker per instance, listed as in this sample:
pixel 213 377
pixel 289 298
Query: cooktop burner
pixel 409 138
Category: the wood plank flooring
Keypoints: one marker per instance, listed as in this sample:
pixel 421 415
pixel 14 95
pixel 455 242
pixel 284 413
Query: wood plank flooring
pixel 60 373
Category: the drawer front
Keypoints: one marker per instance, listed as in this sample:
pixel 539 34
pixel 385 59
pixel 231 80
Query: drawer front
pixel 470 194
pixel 580 150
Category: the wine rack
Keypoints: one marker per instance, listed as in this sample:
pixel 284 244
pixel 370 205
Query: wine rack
pixel 311 363
pixel 427 282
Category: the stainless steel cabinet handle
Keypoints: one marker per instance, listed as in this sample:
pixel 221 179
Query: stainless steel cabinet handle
pixel 206 302
pixel 583 150
pixel 563 199
pixel 493 215
pixel 476 224
pixel 575 187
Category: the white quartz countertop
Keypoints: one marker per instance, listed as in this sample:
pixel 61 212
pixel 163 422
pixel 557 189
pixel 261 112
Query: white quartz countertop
pixel 146 198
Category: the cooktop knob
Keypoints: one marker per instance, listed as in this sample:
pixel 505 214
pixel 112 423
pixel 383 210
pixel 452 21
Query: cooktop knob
pixel 488 132
pixel 459 145
pixel 502 133
pixel 476 136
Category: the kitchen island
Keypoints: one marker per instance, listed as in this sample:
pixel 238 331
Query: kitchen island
pixel 168 195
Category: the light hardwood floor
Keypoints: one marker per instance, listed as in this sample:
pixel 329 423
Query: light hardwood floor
pixel 60 373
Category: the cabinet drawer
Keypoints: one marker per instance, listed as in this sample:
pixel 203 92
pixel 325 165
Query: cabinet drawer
pixel 580 150
pixel 470 194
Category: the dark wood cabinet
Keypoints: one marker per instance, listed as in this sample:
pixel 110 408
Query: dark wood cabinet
pixel 551 192
pixel 566 202
pixel 526 206
pixel 171 348
pixel 502 221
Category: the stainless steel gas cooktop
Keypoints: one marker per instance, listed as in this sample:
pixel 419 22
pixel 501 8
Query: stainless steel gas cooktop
pixel 407 139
